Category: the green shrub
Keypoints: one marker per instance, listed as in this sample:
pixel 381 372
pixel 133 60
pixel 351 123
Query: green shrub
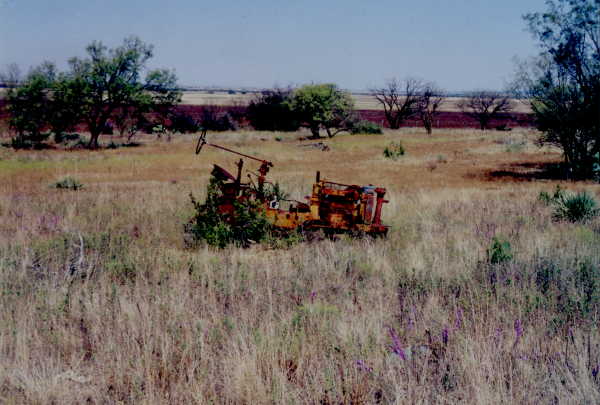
pixel 394 151
pixel 68 183
pixel 576 208
pixel 366 127
pixel 570 207
pixel 500 251
pixel 246 226
pixel 548 199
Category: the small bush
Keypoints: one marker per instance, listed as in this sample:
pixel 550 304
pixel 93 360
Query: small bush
pixel 214 119
pixel 271 111
pixel 576 208
pixel 366 127
pixel 570 207
pixel 548 199
pixel 184 124
pixel 394 151
pixel 500 251
pixel 68 183
pixel 30 141
pixel 248 224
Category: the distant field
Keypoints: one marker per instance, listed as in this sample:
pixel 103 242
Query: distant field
pixel 362 102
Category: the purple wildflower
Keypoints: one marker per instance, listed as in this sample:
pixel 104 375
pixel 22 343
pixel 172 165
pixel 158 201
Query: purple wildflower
pixel 459 318
pixel 412 318
pixel 396 345
pixel 445 336
pixel 518 329
pixel 595 370
pixel 312 296
pixel 363 367
pixel 498 334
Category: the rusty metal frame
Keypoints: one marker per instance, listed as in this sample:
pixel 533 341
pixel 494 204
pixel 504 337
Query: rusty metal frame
pixel 349 208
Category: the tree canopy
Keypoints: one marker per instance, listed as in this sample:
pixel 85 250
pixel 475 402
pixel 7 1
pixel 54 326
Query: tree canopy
pixel 564 86
pixel 103 88
pixel 323 106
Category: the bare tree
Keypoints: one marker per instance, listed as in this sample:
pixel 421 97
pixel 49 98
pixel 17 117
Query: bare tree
pixel 485 105
pixel 11 76
pixel 400 100
pixel 430 101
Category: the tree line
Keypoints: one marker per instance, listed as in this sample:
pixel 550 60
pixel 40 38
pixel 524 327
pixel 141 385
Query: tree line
pixel 107 91
pixel 107 88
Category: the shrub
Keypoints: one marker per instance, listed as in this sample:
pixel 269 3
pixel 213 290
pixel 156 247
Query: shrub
pixel 500 251
pixel 366 127
pixel 570 207
pixel 68 183
pixel 30 141
pixel 214 119
pixel 271 111
pixel 247 225
pixel 548 199
pixel 576 208
pixel 394 151
pixel 184 124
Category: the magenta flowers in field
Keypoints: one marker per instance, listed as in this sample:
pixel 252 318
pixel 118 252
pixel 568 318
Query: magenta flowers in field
pixel 396 346
pixel 459 318
pixel 363 366
pixel 518 329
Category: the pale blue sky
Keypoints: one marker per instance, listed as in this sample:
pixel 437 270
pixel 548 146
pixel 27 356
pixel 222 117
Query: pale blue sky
pixel 461 44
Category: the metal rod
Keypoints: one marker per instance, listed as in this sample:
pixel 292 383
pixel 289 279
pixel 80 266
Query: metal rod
pixel 237 153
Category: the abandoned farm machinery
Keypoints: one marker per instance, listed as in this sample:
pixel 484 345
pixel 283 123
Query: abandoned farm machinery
pixel 332 207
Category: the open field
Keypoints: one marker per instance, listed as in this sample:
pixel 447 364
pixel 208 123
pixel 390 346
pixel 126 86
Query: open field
pixel 362 101
pixel 101 303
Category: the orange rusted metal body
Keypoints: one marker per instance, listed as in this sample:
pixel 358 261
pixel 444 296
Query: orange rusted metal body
pixel 332 207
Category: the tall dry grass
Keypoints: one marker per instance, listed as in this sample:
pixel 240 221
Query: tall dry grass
pixel 101 303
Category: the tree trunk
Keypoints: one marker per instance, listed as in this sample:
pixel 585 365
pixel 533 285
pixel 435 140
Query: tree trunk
pixel 428 123
pixel 94 140
pixel 315 132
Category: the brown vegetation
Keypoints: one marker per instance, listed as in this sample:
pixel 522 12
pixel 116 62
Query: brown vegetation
pixel 101 303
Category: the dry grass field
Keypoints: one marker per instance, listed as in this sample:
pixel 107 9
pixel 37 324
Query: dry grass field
pixel 101 303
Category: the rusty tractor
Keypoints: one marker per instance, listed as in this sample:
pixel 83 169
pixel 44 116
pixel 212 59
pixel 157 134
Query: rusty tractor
pixel 332 207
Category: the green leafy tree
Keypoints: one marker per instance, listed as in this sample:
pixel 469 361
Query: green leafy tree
pixel 63 107
pixel 108 81
pixel 564 84
pixel 323 106
pixel 28 105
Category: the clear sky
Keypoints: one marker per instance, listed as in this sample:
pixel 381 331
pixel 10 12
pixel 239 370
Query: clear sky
pixel 460 44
